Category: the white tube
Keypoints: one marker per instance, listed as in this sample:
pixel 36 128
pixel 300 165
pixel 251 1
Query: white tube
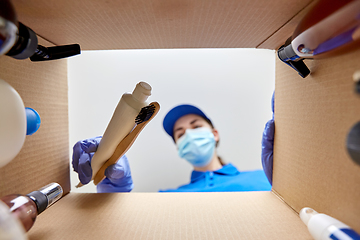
pixel 305 43
pixel 121 124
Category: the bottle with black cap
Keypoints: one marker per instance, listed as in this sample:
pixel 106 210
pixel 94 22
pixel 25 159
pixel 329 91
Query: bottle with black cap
pixel 26 207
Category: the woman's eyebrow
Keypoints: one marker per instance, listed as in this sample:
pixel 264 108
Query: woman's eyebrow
pixel 179 128
pixel 193 121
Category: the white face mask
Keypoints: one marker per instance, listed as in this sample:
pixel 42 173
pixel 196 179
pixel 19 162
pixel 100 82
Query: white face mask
pixel 197 146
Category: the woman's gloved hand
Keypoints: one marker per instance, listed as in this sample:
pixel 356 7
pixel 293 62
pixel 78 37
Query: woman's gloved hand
pixel 118 176
pixel 268 145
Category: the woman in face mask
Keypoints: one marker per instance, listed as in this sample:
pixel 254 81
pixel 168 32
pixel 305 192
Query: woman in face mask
pixel 196 140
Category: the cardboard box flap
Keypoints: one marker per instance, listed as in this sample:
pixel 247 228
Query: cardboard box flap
pixel 250 215
pixel 156 24
pixel 312 119
pixel 282 34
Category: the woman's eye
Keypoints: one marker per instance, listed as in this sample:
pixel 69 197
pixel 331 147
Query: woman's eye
pixel 197 126
pixel 179 136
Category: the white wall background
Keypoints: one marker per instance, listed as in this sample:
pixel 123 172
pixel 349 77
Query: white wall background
pixel 232 86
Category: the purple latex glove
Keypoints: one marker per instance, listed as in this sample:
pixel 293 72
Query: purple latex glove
pixel 118 176
pixel 267 145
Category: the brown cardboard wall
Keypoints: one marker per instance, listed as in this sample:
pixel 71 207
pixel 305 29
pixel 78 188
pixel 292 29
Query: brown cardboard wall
pixel 156 24
pixel 312 119
pixel 241 215
pixel 44 157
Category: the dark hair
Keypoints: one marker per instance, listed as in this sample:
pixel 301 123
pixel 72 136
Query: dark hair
pixel 212 126
pixel 217 143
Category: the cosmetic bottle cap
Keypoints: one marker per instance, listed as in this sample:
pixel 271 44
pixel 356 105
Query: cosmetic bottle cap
pixel 53 192
pixel 142 91
pixel 32 121
pixel 46 196
pixel 307 213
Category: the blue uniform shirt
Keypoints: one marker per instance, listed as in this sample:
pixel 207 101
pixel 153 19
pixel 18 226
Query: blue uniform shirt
pixel 226 179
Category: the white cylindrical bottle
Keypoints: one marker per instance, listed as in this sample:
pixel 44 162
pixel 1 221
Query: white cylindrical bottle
pixel 12 123
pixel 121 124
pixel 324 227
pixel 16 122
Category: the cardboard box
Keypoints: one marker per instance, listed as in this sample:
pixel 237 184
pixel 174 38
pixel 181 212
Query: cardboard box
pixel 312 115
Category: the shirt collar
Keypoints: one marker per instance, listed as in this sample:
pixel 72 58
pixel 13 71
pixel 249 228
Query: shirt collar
pixel 228 169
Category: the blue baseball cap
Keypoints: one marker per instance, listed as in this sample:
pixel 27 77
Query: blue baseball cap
pixel 177 112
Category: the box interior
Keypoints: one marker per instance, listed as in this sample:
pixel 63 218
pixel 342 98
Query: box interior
pixel 312 115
